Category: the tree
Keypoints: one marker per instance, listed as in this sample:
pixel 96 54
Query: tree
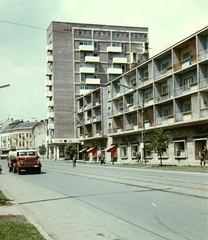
pixel 157 142
pixel 42 150
pixel 70 149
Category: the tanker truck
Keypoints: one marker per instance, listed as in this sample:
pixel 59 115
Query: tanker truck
pixel 24 160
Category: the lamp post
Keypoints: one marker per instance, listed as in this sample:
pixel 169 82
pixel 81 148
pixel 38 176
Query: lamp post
pixel 3 86
pixel 143 126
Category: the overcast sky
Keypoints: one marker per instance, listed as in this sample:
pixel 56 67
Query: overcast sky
pixel 23 25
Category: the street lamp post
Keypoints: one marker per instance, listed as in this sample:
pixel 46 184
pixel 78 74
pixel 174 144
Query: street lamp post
pixel 3 86
pixel 143 126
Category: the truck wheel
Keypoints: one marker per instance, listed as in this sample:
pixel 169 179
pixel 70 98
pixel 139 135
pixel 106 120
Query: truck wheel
pixel 14 167
pixel 39 170
pixel 18 171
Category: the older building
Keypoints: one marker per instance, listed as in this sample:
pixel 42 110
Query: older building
pixel 168 91
pixel 80 58
pixel 21 136
pixel 5 128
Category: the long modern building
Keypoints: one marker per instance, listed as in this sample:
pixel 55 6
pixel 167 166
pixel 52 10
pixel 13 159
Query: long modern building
pixel 168 91
pixel 80 58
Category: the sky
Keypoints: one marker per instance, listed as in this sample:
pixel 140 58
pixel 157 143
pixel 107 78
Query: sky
pixel 23 25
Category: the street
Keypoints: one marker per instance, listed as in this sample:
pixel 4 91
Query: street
pixel 108 202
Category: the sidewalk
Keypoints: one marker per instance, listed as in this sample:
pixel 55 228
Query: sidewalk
pixel 14 212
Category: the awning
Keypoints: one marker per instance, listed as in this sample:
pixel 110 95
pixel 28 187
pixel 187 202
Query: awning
pixel 110 149
pixel 82 150
pixel 90 149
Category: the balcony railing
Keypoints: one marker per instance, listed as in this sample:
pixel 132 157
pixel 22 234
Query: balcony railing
pixel 203 54
pixel 204 113
pixel 92 59
pixel 203 83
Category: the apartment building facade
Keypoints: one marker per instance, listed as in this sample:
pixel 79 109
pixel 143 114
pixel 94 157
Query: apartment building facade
pixel 168 91
pixel 80 58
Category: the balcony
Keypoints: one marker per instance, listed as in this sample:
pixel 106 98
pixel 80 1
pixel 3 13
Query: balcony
pixel 86 47
pixel 114 70
pixel 204 83
pixel 119 60
pixel 48 83
pixel 84 91
pixel 87 70
pixel 51 126
pixel 204 113
pixel 49 48
pixel 92 59
pixel 48 94
pixel 49 59
pixel 114 49
pixel 203 55
pixel 50 114
pixel 48 72
pixel 50 103
pixel 184 116
pixel 92 81
pixel 185 63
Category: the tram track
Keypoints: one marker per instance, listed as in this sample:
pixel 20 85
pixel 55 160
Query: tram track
pixel 182 187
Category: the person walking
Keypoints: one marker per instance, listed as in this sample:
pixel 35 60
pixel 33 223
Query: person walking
pixel 74 161
pixel 139 157
pixel 203 156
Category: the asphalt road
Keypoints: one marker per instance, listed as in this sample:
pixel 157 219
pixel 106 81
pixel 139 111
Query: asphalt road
pixel 108 202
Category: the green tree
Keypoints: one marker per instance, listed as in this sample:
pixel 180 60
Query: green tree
pixel 158 141
pixel 42 150
pixel 70 149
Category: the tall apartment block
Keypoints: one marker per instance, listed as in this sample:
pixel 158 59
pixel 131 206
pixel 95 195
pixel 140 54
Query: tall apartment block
pixel 80 58
pixel 168 91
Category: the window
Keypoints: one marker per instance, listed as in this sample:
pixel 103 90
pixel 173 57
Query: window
pixel 165 65
pixel 146 75
pixel 167 112
pixel 131 100
pixel 188 81
pixel 96 45
pixel 179 148
pixel 120 105
pixel 133 82
pixel 187 107
pixel 164 89
pixel 186 56
pixel 123 152
pixel 139 46
pixel 123 46
pixel 85 43
pixel 134 119
pixel 82 56
pixel 148 95
pixel 96 67
pixel 134 150
pixel 146 117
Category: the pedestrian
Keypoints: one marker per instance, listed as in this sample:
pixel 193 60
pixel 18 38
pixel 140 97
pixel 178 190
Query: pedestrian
pixel 203 156
pixel 139 157
pixel 102 160
pixel 99 157
pixel 74 161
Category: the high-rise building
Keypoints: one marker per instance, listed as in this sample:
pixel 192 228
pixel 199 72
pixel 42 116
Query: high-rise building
pixel 168 91
pixel 80 58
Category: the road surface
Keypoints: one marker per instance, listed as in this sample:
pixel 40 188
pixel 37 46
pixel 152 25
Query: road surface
pixel 107 202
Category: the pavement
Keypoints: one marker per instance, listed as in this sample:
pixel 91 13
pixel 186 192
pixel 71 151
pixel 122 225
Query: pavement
pixel 15 209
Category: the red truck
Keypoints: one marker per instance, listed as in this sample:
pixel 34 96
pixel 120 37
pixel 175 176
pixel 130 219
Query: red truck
pixel 24 160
